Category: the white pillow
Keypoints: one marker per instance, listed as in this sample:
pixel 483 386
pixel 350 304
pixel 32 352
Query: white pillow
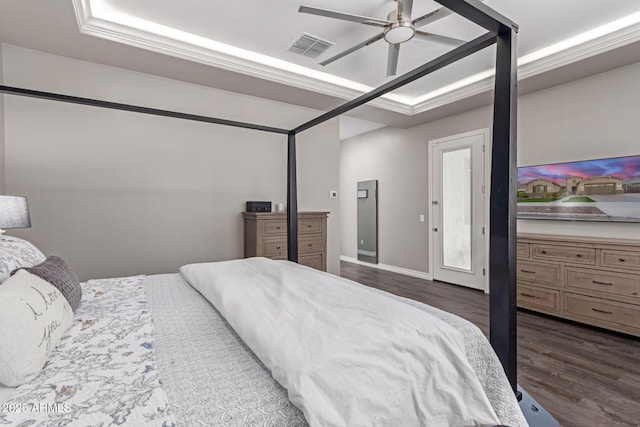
pixel 15 253
pixel 34 316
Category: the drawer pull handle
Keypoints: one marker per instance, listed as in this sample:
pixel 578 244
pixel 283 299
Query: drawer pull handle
pixel 277 227
pixel 621 259
pixel 602 283
pixel 543 252
pixel 601 311
pixel 308 225
pixel 579 255
pixel 528 295
pixel 310 244
pixel 277 247
pixel 528 271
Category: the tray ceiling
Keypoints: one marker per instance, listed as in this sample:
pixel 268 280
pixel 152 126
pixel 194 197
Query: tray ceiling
pixel 253 37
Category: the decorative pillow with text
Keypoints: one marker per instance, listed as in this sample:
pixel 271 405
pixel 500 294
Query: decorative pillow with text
pixel 34 316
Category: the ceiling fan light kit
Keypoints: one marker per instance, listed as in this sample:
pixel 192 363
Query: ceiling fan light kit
pixel 399 32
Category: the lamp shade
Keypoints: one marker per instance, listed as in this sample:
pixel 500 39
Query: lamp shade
pixel 14 212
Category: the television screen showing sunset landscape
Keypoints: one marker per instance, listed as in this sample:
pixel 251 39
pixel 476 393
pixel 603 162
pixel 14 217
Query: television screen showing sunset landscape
pixel 591 190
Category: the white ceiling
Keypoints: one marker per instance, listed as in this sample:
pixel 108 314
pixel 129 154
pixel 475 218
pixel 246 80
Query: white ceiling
pixel 257 35
pixel 242 46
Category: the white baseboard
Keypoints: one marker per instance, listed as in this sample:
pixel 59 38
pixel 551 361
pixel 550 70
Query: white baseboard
pixel 392 268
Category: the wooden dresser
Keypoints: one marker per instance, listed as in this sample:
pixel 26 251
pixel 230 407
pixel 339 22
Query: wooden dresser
pixel 589 280
pixel 265 234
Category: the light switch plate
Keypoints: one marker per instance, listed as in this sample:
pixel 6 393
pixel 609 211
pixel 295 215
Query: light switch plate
pixel 333 194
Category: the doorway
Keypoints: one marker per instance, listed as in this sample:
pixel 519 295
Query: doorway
pixel 458 234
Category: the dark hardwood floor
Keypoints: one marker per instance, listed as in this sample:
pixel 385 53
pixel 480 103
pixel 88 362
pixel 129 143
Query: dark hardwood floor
pixel 583 376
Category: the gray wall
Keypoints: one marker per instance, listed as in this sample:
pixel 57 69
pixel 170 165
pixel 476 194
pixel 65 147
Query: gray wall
pixel 118 193
pixel 589 118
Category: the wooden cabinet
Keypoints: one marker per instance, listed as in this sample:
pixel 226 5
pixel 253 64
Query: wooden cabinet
pixel 265 234
pixel 594 281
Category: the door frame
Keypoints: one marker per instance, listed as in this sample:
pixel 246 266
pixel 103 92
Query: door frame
pixel 486 133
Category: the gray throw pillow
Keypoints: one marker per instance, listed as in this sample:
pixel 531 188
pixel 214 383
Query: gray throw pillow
pixel 55 271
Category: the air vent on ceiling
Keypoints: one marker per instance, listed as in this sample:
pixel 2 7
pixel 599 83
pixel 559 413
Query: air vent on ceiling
pixel 309 45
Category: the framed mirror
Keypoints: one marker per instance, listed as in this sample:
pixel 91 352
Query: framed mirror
pixel 367 195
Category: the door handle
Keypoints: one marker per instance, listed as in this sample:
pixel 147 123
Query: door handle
pixel 435 229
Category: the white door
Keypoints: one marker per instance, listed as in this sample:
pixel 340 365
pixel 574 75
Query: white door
pixel 457 200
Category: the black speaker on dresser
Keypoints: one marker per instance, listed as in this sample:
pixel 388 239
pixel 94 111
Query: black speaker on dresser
pixel 258 206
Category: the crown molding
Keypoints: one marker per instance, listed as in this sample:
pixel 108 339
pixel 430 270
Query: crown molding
pixel 114 31
pixel 559 59
pixel 118 32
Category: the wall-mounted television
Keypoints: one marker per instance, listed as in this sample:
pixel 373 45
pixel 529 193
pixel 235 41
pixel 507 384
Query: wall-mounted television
pixel 587 190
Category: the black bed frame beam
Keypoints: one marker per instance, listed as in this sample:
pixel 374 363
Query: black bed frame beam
pixel 454 55
pixel 502 245
pixel 480 14
pixel 135 108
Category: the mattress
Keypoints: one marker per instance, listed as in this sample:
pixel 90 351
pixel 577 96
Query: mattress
pixel 172 359
pixel 233 378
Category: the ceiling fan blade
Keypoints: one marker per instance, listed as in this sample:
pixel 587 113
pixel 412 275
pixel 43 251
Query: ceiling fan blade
pixel 353 49
pixel 404 9
pixel 392 61
pixel 430 37
pixel 343 16
pixel 431 17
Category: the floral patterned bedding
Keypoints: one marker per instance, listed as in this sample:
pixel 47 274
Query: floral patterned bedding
pixel 103 372
pixel 151 351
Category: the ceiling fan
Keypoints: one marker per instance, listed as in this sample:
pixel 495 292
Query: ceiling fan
pixel 398 28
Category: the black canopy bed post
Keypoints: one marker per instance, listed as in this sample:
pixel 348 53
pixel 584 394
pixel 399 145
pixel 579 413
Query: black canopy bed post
pixel 502 243
pixel 292 199
pixel 502 210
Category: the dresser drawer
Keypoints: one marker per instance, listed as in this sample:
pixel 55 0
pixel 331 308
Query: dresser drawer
pixel 601 311
pixel 626 285
pixel 313 261
pixel 523 250
pixel 275 248
pixel 539 273
pixel 309 226
pixel 565 253
pixel 309 244
pixel 620 259
pixel 275 227
pixel 538 298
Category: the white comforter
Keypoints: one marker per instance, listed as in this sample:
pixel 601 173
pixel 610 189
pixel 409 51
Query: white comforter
pixel 347 355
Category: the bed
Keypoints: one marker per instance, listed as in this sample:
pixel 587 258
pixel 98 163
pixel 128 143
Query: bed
pixel 502 207
pixel 154 350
